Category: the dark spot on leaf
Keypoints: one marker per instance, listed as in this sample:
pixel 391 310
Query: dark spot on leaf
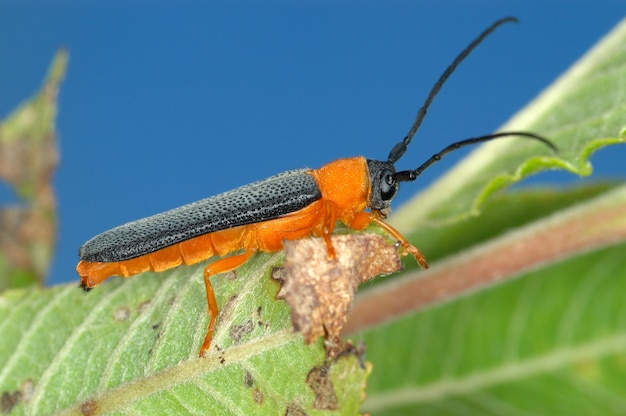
pixel 121 314
pixel 28 388
pixel 237 332
pixel 357 350
pixel 227 310
pixel 9 400
pixel 89 408
pixel 278 274
pixel 248 380
pixel 294 409
pixel 159 332
pixel 257 396
pixel 231 275
pixel 322 386
pixel 143 306
pixel 222 360
pixel 259 313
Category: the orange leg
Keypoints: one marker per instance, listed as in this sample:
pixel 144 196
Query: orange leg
pixel 219 266
pixel 363 219
pixel 332 254
pixel 330 220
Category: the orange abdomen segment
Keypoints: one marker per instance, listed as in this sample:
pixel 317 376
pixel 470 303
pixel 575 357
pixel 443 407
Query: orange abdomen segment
pixel 186 252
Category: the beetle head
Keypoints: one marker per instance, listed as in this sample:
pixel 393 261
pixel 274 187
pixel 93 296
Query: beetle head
pixel 383 185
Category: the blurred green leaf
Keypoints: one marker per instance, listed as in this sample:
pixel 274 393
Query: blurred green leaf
pixel 581 112
pixel 504 212
pixel 550 342
pixel 28 158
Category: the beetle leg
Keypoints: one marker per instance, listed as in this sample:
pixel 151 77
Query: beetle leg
pixel 407 248
pixel 220 266
pixel 330 220
pixel 332 254
pixel 213 311
pixel 362 219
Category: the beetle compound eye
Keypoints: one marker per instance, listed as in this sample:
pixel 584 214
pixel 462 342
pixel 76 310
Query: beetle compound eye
pixel 388 185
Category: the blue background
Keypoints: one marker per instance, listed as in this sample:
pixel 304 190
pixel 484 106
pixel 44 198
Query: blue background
pixel 165 103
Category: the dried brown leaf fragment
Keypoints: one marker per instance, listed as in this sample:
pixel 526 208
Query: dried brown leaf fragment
pixel 320 288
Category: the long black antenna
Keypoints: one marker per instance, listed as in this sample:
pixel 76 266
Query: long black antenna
pixel 399 149
pixel 411 175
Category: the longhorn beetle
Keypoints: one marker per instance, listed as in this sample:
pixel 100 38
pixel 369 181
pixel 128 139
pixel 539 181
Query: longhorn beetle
pixel 259 216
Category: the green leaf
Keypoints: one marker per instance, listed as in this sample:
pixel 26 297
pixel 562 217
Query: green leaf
pixel 132 347
pixel 581 112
